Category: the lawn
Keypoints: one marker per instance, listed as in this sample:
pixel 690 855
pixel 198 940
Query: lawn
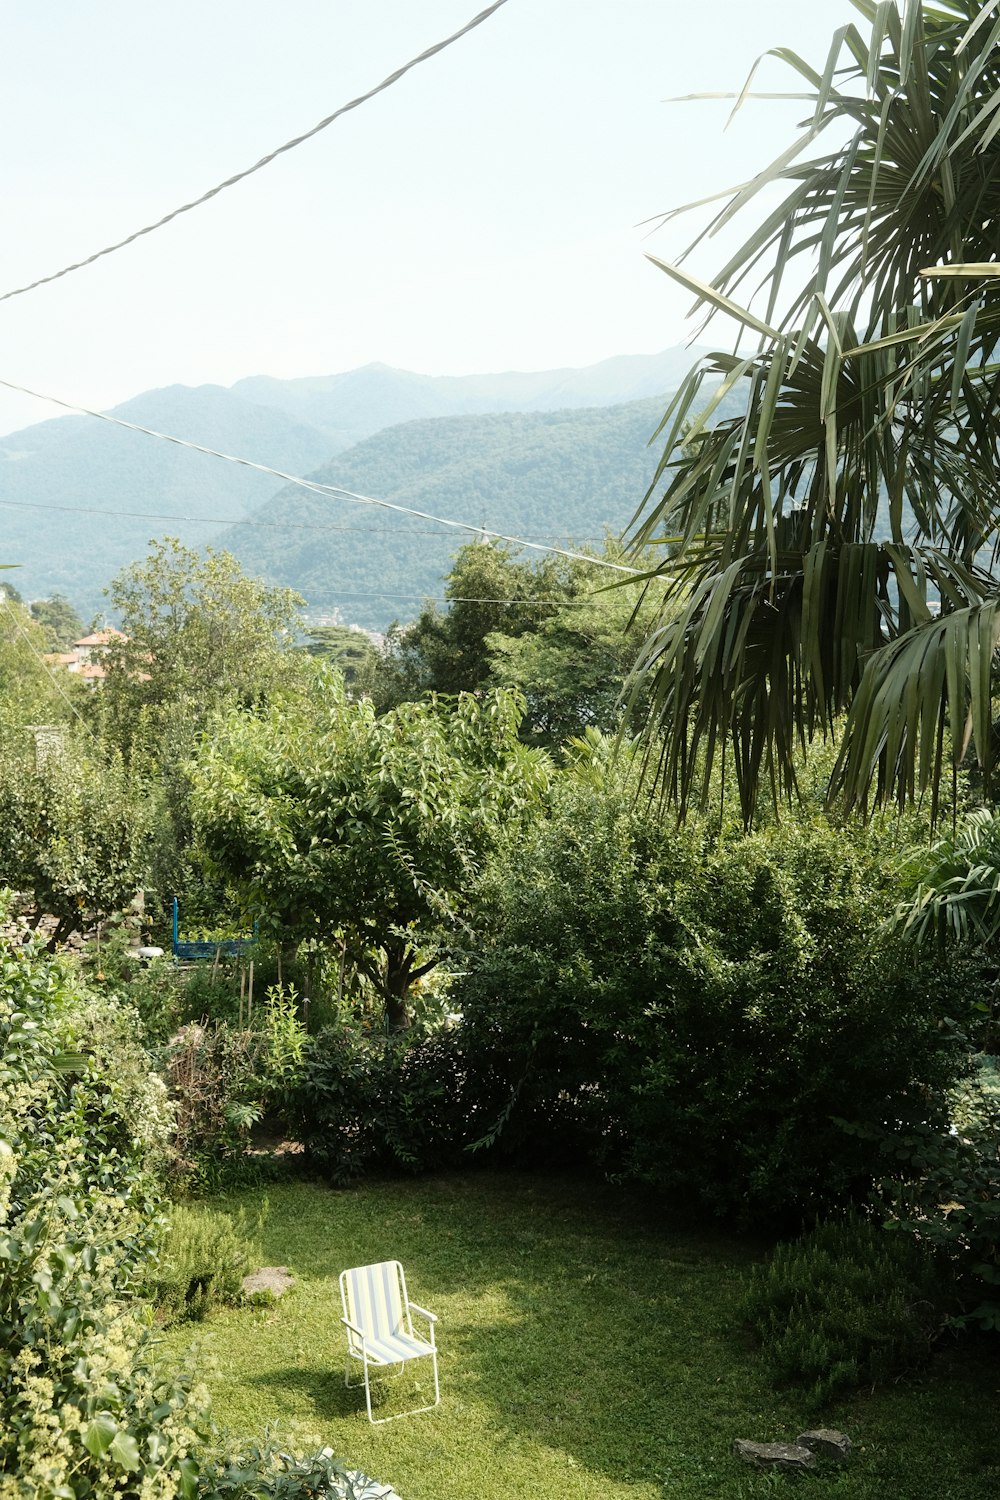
pixel 590 1347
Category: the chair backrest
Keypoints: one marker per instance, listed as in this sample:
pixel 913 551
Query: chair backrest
pixel 374 1298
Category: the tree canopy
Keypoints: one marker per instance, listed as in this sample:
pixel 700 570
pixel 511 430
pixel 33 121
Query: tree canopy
pixel 197 634
pixel 554 628
pixel 326 818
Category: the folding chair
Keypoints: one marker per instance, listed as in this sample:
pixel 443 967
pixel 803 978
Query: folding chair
pixel 380 1328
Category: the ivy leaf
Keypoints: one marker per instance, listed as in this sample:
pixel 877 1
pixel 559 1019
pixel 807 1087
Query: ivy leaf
pixel 125 1450
pixel 100 1433
pixel 188 1473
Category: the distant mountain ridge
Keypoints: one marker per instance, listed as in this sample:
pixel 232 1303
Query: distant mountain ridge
pixel 359 403
pixel 79 498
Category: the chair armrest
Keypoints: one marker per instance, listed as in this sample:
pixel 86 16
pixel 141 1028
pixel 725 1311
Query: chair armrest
pixel 354 1328
pixel 415 1307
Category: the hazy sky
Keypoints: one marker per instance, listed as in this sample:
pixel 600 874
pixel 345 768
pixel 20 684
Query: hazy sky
pixel 483 214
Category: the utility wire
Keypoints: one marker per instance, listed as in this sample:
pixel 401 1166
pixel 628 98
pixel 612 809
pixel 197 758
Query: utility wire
pixel 264 161
pixel 165 515
pixel 578 602
pixel 51 675
pixel 333 491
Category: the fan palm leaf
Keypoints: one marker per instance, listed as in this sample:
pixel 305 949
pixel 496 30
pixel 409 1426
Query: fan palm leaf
pixel 833 545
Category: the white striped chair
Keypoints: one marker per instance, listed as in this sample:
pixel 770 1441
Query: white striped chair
pixel 380 1329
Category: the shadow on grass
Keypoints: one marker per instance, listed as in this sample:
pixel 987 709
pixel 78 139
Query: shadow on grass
pixel 581 1319
pixel 327 1392
pixel 332 1400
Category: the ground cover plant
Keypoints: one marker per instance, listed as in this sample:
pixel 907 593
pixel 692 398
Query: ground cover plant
pixel 590 1347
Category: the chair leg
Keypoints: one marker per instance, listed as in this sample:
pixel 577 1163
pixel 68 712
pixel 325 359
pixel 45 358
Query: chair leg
pixel 413 1410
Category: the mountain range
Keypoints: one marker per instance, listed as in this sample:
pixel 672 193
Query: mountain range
pixel 555 454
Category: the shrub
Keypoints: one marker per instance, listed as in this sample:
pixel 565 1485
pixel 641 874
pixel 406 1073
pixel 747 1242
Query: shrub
pixel 201 1263
pixel 698 1015
pixel 843 1306
pixel 367 1103
pixel 223 1079
pixel 84 1411
pixel 944 1186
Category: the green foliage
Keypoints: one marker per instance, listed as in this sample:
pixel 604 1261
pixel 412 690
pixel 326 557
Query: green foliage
pixel 367 1104
pixel 554 629
pixel 224 1079
pixel 846 1305
pixel 697 1015
pixel 202 1261
pixel 264 1471
pixel 59 620
pixel 72 830
pixel 198 634
pixel 83 1411
pixel 351 651
pixel 831 549
pixel 328 819
pixel 86 1412
pixel 943 1185
pixel 153 987
pixel 28 690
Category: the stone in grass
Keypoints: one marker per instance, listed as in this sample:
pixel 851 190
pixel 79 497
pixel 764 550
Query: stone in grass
pixel 789 1457
pixel 272 1280
pixel 827 1442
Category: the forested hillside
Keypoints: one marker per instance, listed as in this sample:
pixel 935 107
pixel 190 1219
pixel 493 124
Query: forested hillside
pixel 565 476
pixel 80 498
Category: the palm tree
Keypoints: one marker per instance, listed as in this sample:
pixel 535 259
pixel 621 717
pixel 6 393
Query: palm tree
pixel 832 551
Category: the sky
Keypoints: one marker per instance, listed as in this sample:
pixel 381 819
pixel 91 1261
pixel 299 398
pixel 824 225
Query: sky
pixel 489 212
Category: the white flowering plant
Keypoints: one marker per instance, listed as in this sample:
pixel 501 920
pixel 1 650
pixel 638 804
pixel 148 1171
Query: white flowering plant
pixel 85 1414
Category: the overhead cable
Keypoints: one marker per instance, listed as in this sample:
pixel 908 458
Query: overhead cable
pixel 7 603
pixel 265 161
pixel 332 491
pixel 170 515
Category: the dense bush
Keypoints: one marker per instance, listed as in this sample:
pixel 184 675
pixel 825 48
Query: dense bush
pixel 701 1015
pixel 201 1263
pixel 846 1305
pixel 85 1414
pixel 380 1102
pixel 944 1186
pixel 83 1411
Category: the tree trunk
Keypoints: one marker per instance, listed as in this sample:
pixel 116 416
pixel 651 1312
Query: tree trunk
pixel 398 964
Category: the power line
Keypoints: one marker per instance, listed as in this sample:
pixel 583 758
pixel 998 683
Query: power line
pixel 333 491
pixel 157 515
pixel 50 674
pixel 582 599
pixel 264 161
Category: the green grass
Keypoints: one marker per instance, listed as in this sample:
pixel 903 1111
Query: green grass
pixel 590 1348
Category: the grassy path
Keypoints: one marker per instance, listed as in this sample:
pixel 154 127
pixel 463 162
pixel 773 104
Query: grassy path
pixel 589 1351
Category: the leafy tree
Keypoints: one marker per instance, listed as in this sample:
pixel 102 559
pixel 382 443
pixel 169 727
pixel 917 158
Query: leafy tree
pixel 28 691
pixel 352 651
pixel 328 818
pixel 59 620
pixel 445 651
pixel 556 629
pixel 829 550
pixel 72 831
pixel 198 634
pixel 573 664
